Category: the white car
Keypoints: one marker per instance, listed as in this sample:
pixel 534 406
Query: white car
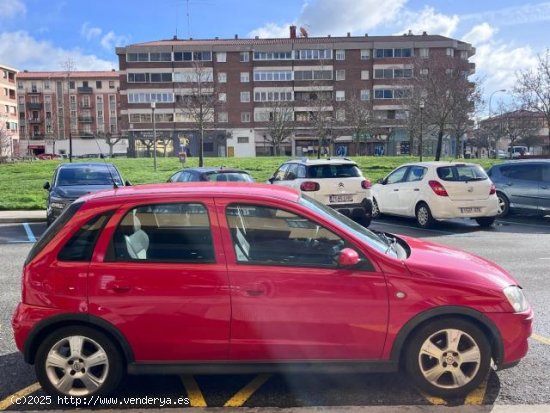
pixel 433 191
pixel 336 182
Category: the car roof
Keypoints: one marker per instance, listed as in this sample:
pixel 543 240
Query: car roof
pixel 521 161
pixel 437 163
pixel 206 189
pixel 220 169
pixel 77 165
pixel 323 161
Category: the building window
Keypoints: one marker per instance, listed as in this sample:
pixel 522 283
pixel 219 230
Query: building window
pixel 365 94
pixel 245 96
pixel 245 117
pixel 272 76
pixel 424 52
pixel 340 95
pixel 450 52
pixel 313 75
pixel 222 77
pixel 19 85
pixel 111 84
pixel 464 55
pixel 365 75
pixel 221 57
pixel 245 57
pixel 340 115
pixel 365 54
pixel 340 55
pixel 223 117
pixel 424 72
pixel 393 53
pixel 222 97
pixel 245 77
pixel 71 84
pixel 98 84
pixel 313 54
pixel 341 74
pixel 272 55
pixel 243 139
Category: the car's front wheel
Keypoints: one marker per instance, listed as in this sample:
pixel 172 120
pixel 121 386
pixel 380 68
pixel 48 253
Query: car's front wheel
pixel 375 210
pixel 78 361
pixel 485 221
pixel 448 358
pixel 503 205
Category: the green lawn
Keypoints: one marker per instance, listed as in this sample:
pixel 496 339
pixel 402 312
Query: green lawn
pixel 21 182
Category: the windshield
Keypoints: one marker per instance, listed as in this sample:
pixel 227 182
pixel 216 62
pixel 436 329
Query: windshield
pixel 359 231
pixel 229 177
pixel 88 176
pixel 463 173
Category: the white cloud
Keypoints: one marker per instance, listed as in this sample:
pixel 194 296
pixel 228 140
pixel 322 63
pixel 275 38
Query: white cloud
pixel 36 55
pixel 428 20
pixel 509 16
pixel 89 32
pixel 479 34
pixel 11 8
pixel 319 17
pixel 110 40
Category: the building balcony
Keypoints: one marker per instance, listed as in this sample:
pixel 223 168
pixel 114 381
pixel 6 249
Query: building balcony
pixel 86 119
pixel 85 106
pixel 34 91
pixel 34 105
pixel 37 136
pixel 35 119
pixel 85 89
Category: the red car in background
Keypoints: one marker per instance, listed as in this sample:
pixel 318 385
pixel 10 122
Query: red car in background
pixel 236 278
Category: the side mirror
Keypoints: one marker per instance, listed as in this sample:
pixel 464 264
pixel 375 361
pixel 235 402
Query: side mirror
pixel 271 180
pixel 348 258
pixel 128 183
pixel 46 186
pixel 381 181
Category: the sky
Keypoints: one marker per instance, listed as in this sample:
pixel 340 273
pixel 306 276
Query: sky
pixel 44 34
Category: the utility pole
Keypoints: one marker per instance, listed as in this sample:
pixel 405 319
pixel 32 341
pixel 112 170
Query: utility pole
pixel 153 106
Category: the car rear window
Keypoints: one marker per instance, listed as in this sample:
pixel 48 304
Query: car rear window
pixel 81 245
pixel 462 173
pixel 228 177
pixel 333 171
pixel 53 229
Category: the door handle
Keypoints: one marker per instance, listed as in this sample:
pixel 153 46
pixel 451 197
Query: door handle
pixel 396 190
pixel 120 288
pixel 255 290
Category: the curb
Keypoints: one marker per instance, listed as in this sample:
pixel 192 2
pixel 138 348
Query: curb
pixel 17 217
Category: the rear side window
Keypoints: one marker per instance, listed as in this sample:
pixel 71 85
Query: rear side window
pixel 228 177
pixel 333 171
pixel 525 172
pixel 463 173
pixel 81 245
pixel 53 229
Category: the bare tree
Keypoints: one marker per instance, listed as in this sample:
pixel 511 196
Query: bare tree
pixel 198 101
pixel 164 143
pixel 111 139
pixel 280 125
pixel 448 96
pixel 5 141
pixel 533 89
pixel 359 119
pixel 518 124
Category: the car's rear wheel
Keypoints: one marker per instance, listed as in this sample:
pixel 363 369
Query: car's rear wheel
pixel 364 220
pixel 424 216
pixel 375 210
pixel 485 221
pixel 78 361
pixel 503 205
pixel 448 357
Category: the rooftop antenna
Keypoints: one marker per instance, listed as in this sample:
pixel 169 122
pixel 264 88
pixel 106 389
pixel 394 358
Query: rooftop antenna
pixel 188 21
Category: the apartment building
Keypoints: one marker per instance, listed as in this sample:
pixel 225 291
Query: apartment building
pixel 9 125
pixel 316 75
pixel 60 109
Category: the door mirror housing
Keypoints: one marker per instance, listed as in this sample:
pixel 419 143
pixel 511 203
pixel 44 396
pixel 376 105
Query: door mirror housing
pixel 348 258
pixel 128 183
pixel 46 186
pixel 382 181
pixel 271 180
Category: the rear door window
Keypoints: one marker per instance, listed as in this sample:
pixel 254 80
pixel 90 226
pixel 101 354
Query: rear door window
pixel 416 173
pixel 525 172
pixel 461 173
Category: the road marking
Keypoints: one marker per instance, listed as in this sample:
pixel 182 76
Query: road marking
pixel 244 394
pixel 28 230
pixel 477 396
pixel 541 339
pixel 437 401
pixel 196 399
pixel 9 401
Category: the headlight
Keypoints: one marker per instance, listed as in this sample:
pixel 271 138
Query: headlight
pixel 57 205
pixel 516 298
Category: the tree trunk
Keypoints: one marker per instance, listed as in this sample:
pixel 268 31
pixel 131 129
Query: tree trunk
pixel 439 145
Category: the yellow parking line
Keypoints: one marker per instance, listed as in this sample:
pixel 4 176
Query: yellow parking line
pixel 477 396
pixel 437 401
pixel 244 394
pixel 9 401
pixel 196 399
pixel 541 339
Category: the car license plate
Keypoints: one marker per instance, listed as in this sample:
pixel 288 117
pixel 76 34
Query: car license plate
pixel 470 210
pixel 340 198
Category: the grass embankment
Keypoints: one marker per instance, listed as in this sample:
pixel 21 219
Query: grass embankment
pixel 21 183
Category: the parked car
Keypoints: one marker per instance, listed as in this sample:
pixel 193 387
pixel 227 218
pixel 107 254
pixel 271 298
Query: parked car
pixel 211 174
pixel 517 151
pixel 72 180
pixel 336 182
pixel 433 191
pixel 522 186
pixel 262 278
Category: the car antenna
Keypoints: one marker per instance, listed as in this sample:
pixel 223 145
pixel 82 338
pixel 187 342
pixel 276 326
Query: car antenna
pixel 115 186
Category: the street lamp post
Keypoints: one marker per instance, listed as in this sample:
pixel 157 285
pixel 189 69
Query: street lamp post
pixel 421 122
pixel 491 97
pixel 153 106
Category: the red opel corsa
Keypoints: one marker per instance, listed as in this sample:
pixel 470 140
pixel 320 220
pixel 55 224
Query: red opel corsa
pixel 239 278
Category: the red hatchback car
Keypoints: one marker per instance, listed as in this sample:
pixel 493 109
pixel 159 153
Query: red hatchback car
pixel 235 278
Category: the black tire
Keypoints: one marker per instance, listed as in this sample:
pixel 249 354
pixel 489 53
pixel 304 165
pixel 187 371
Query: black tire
pixel 107 373
pixel 364 220
pixel 485 221
pixel 503 205
pixel 424 216
pixel 375 210
pixel 448 365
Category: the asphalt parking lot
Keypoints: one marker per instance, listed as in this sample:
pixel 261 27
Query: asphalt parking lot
pixel 519 244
